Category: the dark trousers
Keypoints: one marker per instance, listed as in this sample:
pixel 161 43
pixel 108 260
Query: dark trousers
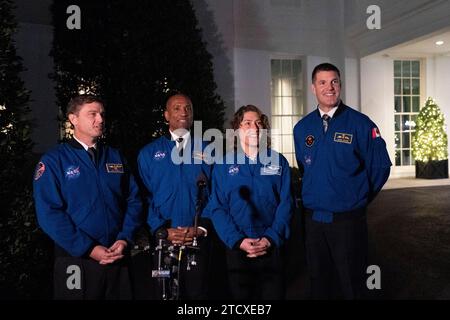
pixel 85 279
pixel 258 278
pixel 337 249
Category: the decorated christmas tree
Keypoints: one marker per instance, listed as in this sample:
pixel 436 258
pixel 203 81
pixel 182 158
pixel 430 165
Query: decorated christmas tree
pixel 430 144
pixel 22 256
pixel 133 55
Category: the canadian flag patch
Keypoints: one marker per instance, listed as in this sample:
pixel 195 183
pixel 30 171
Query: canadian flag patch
pixel 375 133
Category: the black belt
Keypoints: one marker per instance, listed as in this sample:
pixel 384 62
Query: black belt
pixel 341 216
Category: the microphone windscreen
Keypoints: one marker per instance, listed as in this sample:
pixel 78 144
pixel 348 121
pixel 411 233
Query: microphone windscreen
pixel 201 180
pixel 161 233
pixel 244 193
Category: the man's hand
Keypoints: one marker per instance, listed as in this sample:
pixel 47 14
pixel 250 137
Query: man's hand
pixel 183 235
pixel 109 255
pixel 255 247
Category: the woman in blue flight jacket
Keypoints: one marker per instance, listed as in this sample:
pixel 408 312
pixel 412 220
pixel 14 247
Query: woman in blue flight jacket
pixel 251 208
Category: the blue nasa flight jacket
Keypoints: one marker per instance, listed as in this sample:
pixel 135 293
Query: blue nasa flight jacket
pixel 173 185
pixel 80 205
pixel 252 200
pixel 345 167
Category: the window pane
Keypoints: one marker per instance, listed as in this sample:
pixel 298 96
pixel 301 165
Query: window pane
pixel 397 123
pixel 415 69
pixel 405 140
pixel 287 143
pixel 397 158
pixel 406 68
pixel 415 104
pixel 406 104
pixel 297 82
pixel 286 69
pixel 410 125
pixel 276 123
pixel 397 68
pixel 397 86
pixel 414 121
pixel 406 157
pixel 276 142
pixel 397 140
pixel 276 106
pixel 286 125
pixel 406 86
pixel 276 87
pixel 286 87
pixel 405 122
pixel 296 67
pixel 286 105
pixel 276 68
pixel 398 104
pixel 415 84
pixel 298 104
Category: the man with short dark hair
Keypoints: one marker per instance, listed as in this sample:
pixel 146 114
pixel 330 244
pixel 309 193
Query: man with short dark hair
pixel 344 163
pixel 88 203
pixel 171 169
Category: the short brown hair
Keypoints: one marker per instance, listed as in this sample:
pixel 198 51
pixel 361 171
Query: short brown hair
pixel 76 102
pixel 324 67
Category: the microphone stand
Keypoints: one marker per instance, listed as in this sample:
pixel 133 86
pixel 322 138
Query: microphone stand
pixel 160 273
pixel 201 184
pixel 163 282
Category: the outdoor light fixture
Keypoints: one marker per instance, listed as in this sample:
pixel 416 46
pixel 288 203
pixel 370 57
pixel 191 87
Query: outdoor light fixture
pixel 439 43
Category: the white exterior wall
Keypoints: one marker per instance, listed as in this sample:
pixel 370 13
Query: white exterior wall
pixel 440 90
pixel 252 78
pixel 351 85
pixel 377 101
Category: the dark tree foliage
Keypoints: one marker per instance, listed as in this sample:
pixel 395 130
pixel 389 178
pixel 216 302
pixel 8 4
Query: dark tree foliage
pixel 23 260
pixel 133 53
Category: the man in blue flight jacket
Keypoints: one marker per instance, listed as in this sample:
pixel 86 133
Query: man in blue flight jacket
pixel 344 164
pixel 171 168
pixel 88 203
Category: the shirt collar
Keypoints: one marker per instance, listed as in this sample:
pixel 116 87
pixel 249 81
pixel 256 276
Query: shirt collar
pixel 329 113
pixel 185 137
pixel 84 145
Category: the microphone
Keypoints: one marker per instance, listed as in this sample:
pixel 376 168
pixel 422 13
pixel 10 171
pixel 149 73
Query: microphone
pixel 161 234
pixel 202 182
pixel 244 193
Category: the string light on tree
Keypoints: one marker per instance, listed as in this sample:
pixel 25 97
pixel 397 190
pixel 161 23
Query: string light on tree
pixel 430 139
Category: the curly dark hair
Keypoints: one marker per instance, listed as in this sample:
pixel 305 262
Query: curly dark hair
pixel 239 116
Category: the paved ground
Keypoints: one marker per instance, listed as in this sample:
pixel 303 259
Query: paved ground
pixel 412 182
pixel 409 238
